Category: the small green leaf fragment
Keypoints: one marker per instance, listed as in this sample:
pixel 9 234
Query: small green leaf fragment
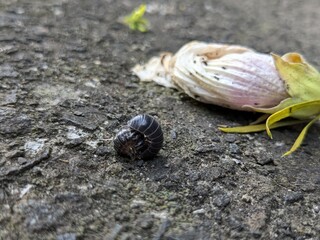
pixel 135 21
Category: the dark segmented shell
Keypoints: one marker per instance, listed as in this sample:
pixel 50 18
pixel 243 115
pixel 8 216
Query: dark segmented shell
pixel 142 138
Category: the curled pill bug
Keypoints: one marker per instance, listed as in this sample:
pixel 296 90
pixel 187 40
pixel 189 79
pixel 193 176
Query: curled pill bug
pixel 141 138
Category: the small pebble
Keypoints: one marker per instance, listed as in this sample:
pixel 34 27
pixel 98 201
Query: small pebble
pixel 246 198
pixel 102 151
pixel 22 160
pixel 173 134
pixel 67 236
pixel 78 113
pixel 199 211
pixel 234 148
pixel 146 223
pixel 222 201
pixel 230 138
pixel 293 197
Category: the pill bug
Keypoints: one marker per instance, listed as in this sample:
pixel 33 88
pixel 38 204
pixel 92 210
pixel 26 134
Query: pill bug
pixel 141 138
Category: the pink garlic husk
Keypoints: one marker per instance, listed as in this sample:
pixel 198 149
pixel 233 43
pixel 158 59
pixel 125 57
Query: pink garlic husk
pixel 230 76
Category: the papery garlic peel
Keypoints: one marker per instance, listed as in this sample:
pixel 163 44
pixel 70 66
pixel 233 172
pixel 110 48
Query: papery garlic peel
pixel 239 78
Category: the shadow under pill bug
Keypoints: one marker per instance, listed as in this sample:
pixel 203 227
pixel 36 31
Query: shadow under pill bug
pixel 141 138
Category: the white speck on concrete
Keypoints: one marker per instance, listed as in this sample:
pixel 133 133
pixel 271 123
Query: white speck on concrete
pixel 75 133
pixel 34 146
pixel 25 190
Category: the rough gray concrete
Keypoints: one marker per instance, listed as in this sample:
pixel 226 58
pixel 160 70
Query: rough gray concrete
pixel 66 88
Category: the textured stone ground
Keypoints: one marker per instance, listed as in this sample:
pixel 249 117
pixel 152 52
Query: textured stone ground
pixel 66 89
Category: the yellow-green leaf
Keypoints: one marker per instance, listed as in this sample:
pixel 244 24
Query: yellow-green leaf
pixel 301 136
pixel 259 127
pixel 135 21
pixel 300 110
pixel 302 80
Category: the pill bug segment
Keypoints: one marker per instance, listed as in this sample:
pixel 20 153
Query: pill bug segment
pixel 142 138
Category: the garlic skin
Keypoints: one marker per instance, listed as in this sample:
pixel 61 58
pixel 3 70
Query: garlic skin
pixel 230 76
pixel 239 78
pixel 158 69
